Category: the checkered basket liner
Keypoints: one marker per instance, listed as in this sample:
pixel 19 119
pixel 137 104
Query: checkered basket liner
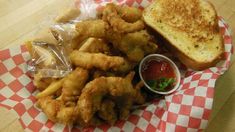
pixel 187 109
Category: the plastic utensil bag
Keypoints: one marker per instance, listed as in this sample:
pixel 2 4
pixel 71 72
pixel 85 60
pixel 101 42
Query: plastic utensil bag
pixel 49 60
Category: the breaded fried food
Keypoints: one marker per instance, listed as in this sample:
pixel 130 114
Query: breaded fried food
pixel 90 28
pixel 40 82
pixel 111 16
pixel 51 89
pixel 75 34
pixel 103 53
pixel 56 111
pixel 124 105
pixel 73 85
pixel 107 111
pixel 95 60
pixel 94 45
pixel 126 67
pixel 135 45
pixel 90 100
pixel 129 14
pixel 139 97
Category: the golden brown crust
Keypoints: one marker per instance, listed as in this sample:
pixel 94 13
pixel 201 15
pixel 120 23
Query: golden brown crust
pixel 189 62
pixel 187 16
pixel 207 31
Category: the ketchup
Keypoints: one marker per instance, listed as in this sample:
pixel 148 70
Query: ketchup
pixel 157 69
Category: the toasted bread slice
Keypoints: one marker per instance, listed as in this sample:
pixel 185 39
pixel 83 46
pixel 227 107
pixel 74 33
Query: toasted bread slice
pixel 190 27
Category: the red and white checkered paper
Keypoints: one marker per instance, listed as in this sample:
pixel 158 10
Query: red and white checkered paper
pixel 187 109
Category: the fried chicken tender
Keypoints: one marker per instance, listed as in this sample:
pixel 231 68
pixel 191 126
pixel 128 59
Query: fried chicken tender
pixel 107 111
pixel 90 100
pixel 94 45
pixel 111 16
pixel 95 60
pixel 73 85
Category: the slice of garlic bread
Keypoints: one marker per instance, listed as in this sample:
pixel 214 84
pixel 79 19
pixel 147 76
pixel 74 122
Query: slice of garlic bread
pixel 191 29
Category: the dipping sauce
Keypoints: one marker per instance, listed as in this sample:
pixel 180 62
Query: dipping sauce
pixel 159 75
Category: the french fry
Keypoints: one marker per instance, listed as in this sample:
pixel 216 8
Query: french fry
pixel 59 98
pixel 52 88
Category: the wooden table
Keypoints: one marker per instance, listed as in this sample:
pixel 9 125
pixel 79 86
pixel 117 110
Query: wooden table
pixel 21 19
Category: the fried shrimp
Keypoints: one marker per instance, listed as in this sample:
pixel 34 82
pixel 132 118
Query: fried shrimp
pixel 107 111
pixel 139 98
pixel 94 45
pixel 126 67
pixel 110 15
pixel 40 82
pixel 90 100
pixel 95 60
pixel 73 85
pixel 103 53
pixel 129 14
pixel 56 111
pixel 90 28
pixel 135 45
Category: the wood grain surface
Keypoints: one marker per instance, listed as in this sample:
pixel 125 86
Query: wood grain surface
pixel 21 19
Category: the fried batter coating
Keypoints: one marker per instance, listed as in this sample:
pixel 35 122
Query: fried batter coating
pixel 126 67
pixel 74 34
pixel 135 45
pixel 107 111
pixel 73 85
pixel 125 103
pixel 110 15
pixel 139 97
pixel 51 89
pixel 56 111
pixel 100 73
pixel 94 45
pixel 109 95
pixel 90 28
pixel 90 100
pixel 95 60
pixel 40 82
pixel 129 14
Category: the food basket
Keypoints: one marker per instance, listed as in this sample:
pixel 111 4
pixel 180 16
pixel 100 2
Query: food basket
pixel 187 109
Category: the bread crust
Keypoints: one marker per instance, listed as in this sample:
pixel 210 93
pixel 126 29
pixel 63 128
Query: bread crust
pixel 186 59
